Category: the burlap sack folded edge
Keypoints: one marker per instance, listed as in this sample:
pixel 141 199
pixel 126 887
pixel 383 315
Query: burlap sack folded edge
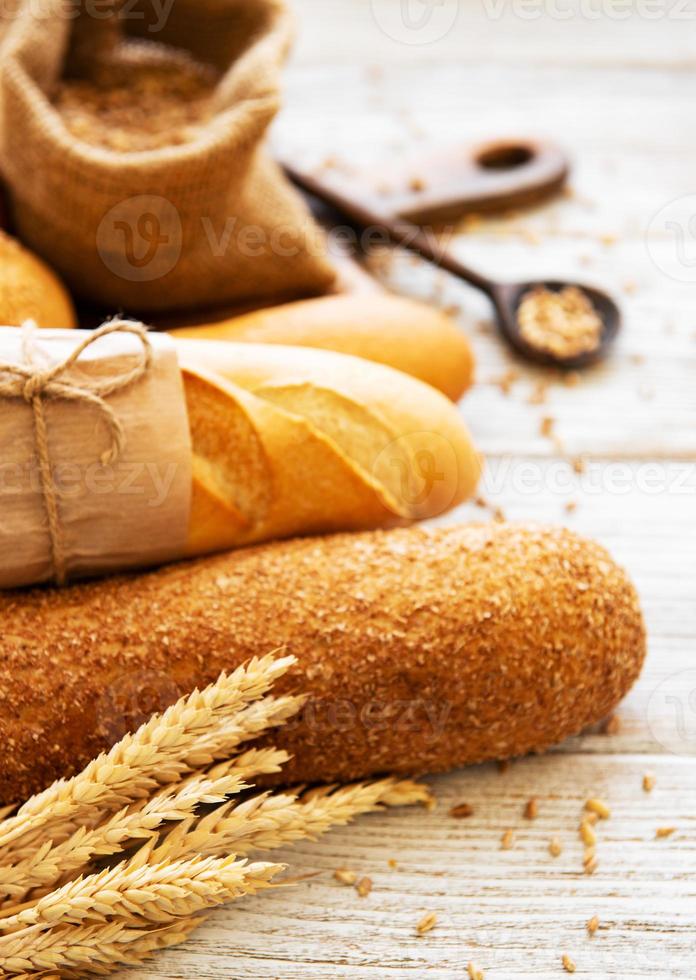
pixel 87 178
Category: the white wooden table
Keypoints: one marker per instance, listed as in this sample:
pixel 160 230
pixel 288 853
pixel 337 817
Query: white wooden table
pixel 620 94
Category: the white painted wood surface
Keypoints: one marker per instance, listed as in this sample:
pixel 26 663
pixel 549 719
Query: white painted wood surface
pixel 620 94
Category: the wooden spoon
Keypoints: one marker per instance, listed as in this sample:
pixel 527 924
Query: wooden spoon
pixel 364 211
pixel 446 183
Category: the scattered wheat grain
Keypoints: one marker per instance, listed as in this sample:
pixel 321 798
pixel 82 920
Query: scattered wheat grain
pixel 599 807
pixel 531 809
pixel 587 834
pixel 426 924
pixel 364 887
pixel 461 810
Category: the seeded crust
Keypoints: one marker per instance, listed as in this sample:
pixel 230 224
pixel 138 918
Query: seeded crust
pixel 423 649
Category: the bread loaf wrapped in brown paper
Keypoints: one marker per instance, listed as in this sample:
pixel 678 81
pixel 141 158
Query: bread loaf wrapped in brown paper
pixel 421 649
pixel 272 442
pixel 407 335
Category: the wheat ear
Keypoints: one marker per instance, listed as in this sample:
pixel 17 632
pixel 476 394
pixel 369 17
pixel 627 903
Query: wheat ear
pixel 137 892
pixel 222 741
pixel 266 822
pixel 87 951
pixel 253 721
pixel 190 734
pixel 50 863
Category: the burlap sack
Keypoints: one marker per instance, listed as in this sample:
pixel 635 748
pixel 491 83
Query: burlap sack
pixel 202 224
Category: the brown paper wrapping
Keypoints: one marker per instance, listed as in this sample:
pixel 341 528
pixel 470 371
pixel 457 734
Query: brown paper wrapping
pixel 129 513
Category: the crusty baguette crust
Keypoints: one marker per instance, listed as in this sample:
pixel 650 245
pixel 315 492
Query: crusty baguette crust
pixel 297 441
pixel 30 290
pixel 274 470
pixel 401 333
pixel 422 649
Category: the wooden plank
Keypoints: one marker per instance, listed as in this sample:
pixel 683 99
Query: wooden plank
pixel 341 106
pixel 513 912
pixel 618 94
pixel 585 32
pixel 642 403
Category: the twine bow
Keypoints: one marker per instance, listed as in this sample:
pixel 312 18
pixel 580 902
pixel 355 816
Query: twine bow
pixel 35 383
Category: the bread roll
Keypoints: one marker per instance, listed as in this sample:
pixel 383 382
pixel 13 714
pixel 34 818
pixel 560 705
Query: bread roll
pixel 29 290
pixel 290 441
pixel 402 333
pixel 422 649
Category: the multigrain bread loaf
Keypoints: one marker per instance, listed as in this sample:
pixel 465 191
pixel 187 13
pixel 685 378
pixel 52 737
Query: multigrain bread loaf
pixel 29 290
pixel 288 440
pixel 421 649
pixel 402 333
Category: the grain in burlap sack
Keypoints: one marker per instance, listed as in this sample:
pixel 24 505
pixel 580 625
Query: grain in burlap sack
pixel 208 222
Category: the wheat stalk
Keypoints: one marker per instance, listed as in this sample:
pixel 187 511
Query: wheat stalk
pixel 149 781
pixel 266 822
pixel 87 951
pixel 51 862
pixel 136 892
pixel 223 740
pixel 191 733
pixel 91 923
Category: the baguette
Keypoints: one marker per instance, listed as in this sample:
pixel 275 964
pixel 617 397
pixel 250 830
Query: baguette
pixel 402 333
pixel 422 649
pixel 29 290
pixel 288 441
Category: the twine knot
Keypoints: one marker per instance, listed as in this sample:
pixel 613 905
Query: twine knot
pixel 33 386
pixel 34 383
